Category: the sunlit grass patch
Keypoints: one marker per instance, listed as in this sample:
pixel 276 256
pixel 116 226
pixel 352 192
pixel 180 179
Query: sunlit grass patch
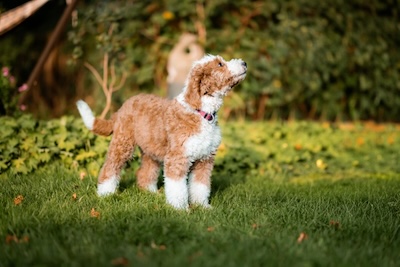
pixel 274 203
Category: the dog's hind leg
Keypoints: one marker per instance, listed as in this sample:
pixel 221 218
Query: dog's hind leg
pixel 200 182
pixel 148 173
pixel 120 150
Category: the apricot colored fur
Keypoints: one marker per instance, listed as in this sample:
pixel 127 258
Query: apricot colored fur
pixel 170 132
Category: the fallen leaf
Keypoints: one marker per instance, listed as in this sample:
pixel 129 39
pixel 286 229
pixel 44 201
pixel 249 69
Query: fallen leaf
pixel 121 261
pixel 18 199
pixel 82 175
pixel 159 247
pixel 74 196
pixel 11 238
pixel 210 229
pixel 303 236
pixel 334 224
pixel 94 213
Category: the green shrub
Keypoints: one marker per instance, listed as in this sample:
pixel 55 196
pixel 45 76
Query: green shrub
pixel 27 144
pixel 272 148
pixel 307 59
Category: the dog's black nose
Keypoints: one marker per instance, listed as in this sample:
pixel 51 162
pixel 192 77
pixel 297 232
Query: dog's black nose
pixel 244 64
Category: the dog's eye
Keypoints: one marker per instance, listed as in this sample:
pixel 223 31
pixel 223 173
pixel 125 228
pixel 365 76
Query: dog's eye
pixel 220 64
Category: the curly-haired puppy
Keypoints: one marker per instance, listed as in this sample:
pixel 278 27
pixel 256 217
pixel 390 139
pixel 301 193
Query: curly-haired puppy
pixel 182 134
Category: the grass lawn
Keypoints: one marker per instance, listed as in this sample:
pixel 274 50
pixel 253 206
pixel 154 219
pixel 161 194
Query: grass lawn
pixel 296 194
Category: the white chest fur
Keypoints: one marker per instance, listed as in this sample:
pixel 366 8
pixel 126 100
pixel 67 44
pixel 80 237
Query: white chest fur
pixel 204 143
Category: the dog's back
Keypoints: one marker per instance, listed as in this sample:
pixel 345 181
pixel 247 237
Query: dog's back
pixel 144 117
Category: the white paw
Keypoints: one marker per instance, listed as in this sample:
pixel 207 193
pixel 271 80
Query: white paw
pixel 152 188
pixel 176 193
pixel 199 194
pixel 108 187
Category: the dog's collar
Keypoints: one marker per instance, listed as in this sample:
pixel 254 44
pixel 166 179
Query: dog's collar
pixel 208 116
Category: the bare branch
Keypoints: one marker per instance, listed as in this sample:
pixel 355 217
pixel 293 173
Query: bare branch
pixel 110 30
pixel 105 73
pixel 94 72
pixel 107 107
pixel 107 88
pixel 121 83
pixel 113 79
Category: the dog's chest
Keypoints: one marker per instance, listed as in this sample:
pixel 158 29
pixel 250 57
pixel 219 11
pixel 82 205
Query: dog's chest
pixel 203 143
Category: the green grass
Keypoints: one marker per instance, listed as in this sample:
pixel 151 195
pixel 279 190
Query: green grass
pixel 267 190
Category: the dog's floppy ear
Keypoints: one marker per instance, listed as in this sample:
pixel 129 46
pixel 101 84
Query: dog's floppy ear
pixel 193 94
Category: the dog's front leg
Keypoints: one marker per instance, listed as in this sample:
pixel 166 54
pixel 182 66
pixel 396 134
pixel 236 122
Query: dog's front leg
pixel 175 181
pixel 200 182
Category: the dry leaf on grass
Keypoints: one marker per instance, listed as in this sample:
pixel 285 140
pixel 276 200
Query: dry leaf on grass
pixel 11 238
pixel 94 213
pixel 210 229
pixel 159 247
pixel 18 199
pixel 121 261
pixel 74 196
pixel 334 224
pixel 82 175
pixel 303 236
pixel 14 239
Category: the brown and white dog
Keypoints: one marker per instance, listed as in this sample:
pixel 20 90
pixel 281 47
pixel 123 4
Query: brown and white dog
pixel 182 134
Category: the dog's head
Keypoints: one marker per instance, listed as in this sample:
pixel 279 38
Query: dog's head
pixel 210 79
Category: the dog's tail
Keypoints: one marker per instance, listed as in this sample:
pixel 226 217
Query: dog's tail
pixel 96 125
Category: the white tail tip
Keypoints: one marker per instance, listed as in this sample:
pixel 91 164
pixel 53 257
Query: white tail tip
pixel 86 114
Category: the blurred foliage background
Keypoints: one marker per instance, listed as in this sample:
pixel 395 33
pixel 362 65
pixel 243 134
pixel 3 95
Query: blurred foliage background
pixel 335 60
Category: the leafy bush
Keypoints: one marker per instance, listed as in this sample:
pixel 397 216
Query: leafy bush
pixel 256 149
pixel 307 59
pixel 26 144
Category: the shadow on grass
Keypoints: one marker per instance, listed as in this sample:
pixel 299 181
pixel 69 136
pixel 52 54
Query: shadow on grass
pixel 234 168
pixel 229 169
pixel 127 182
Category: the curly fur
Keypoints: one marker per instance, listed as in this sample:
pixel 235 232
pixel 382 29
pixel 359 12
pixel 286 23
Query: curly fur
pixel 170 132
